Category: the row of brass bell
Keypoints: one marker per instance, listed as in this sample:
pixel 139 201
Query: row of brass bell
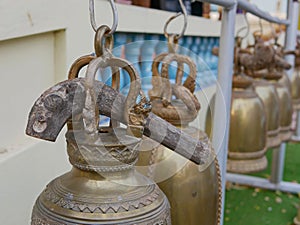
pixel 261 107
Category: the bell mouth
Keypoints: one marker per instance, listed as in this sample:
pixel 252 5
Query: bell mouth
pixel 107 152
pixel 177 113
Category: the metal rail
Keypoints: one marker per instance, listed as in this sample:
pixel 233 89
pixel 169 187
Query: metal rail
pixel 228 4
pixel 249 7
pixel 253 9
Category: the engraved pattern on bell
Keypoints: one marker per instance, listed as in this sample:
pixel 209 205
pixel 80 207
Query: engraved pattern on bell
pixel 112 151
pixel 110 197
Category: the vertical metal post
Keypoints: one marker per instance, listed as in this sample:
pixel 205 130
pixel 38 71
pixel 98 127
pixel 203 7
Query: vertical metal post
pixel 290 44
pixel 291 32
pixel 278 164
pixel 223 94
pixel 298 125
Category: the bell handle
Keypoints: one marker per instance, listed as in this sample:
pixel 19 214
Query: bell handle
pixel 157 90
pixel 57 105
pixel 181 59
pixel 90 113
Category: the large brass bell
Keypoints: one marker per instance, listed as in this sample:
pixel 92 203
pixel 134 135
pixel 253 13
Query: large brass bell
pixel 285 104
pixel 295 81
pixel 103 187
pixel 267 93
pixel 248 129
pixel 248 121
pixel 193 194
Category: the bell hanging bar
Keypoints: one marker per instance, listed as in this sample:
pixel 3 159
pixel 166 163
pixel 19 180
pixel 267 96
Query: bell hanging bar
pixel 51 111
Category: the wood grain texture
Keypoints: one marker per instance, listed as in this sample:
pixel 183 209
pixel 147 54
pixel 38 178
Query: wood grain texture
pixel 59 103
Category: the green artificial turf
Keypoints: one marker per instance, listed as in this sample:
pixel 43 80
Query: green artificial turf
pixel 254 206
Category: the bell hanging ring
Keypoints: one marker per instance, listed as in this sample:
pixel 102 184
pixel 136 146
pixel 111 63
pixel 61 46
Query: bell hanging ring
pixel 102 187
pixel 177 104
pixel 186 106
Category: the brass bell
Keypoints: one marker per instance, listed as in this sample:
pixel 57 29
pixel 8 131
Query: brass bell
pixel 285 103
pixel 248 119
pixel 296 89
pixel 267 93
pixel 297 218
pixel 285 80
pixel 194 195
pixel 295 80
pixel 103 186
pixel 248 128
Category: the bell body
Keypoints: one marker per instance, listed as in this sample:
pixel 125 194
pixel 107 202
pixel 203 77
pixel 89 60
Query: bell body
pixel 296 89
pixel 191 190
pixel 297 218
pixel 286 110
pixel 102 188
pixel 267 93
pixel 285 80
pixel 248 132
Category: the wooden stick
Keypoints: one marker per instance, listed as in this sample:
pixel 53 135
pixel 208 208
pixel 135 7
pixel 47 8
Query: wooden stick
pixel 65 100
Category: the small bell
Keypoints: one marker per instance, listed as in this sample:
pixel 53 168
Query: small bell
pixel 194 195
pixel 103 186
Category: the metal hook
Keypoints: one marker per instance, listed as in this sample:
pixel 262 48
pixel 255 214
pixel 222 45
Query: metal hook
pixel 243 28
pixel 274 34
pixel 258 33
pixel 261 26
pixel 115 16
pixel 184 13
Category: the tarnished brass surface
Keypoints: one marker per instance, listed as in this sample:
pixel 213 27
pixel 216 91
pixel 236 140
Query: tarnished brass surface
pixel 296 89
pixel 267 93
pixel 286 111
pixel 248 132
pixel 248 129
pixel 285 81
pixel 193 194
pixel 297 218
